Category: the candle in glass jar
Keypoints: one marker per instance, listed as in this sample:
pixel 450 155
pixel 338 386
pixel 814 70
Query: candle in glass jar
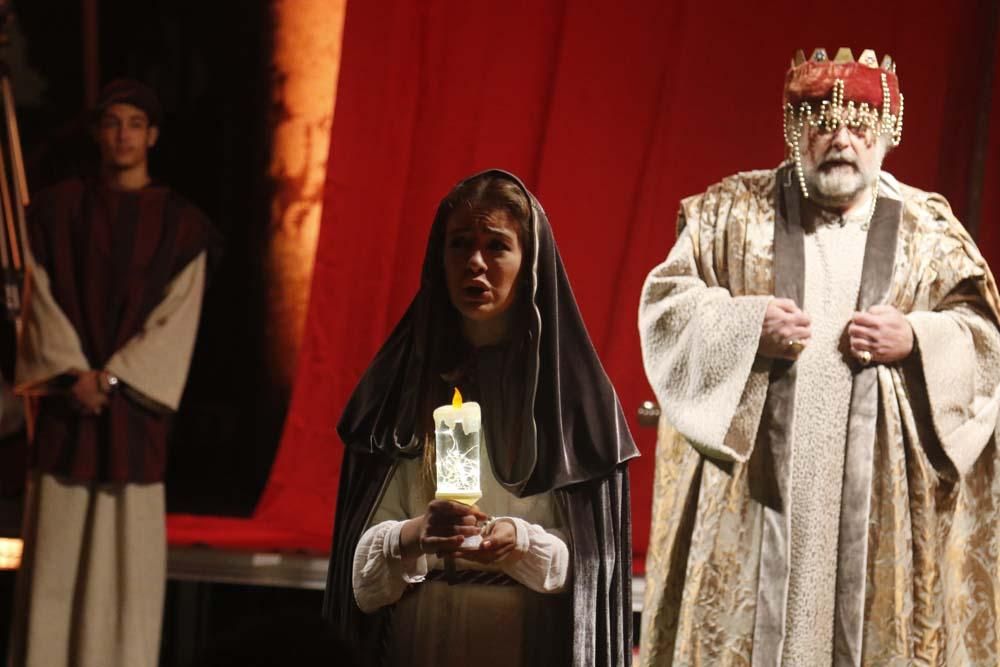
pixel 457 430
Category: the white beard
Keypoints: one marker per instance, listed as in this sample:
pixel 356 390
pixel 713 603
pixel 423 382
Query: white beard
pixel 843 185
pixel 837 187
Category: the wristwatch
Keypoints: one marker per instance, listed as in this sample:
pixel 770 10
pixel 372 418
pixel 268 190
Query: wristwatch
pixel 110 382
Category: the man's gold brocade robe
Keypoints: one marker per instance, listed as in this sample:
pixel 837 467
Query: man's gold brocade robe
pixel 918 549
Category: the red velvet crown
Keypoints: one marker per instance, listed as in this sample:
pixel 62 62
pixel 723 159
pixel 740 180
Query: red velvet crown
pixel 825 94
pixel 813 80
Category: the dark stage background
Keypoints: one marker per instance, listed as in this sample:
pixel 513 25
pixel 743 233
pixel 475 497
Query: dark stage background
pixel 611 112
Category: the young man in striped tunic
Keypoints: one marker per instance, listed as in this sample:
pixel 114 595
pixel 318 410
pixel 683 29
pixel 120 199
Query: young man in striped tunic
pixel 115 290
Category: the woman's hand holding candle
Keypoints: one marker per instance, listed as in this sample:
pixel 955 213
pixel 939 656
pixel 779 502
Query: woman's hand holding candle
pixel 498 543
pixel 441 529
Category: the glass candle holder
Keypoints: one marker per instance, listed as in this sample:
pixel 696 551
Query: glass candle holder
pixel 457 429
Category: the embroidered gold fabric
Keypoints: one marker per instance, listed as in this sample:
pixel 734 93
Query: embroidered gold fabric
pixel 932 588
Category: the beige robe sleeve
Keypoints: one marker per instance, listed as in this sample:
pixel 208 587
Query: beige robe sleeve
pixel 699 349
pixel 49 345
pixel 540 559
pixel 155 361
pixel 958 351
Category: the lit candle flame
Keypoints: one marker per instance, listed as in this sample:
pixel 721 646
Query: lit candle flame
pixel 456 399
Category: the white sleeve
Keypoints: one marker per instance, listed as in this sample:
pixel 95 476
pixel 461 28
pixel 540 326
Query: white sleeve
pixel 49 344
pixel 958 352
pixel 699 349
pixel 155 361
pixel 381 574
pixel 542 558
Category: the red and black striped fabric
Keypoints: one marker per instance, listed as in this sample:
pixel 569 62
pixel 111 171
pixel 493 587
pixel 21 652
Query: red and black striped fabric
pixel 109 255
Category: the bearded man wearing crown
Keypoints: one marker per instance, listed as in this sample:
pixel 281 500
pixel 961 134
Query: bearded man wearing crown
pixel 823 343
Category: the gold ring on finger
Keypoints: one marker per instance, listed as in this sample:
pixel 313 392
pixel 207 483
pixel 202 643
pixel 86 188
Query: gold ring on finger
pixel 865 357
pixel 795 346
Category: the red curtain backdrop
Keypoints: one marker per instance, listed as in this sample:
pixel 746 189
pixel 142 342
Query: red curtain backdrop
pixel 610 112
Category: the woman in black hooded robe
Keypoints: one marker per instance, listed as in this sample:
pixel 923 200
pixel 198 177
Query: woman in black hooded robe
pixel 556 443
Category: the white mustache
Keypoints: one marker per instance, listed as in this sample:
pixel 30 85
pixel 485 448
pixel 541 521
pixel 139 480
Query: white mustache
pixel 840 157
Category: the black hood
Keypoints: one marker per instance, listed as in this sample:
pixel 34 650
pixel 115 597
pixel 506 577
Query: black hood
pixel 551 416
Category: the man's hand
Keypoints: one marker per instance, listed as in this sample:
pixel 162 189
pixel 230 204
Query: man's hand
pixel 87 395
pixel 785 332
pixel 883 332
pixel 439 530
pixel 500 541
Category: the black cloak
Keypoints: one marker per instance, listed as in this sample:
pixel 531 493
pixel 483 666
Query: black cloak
pixel 557 406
